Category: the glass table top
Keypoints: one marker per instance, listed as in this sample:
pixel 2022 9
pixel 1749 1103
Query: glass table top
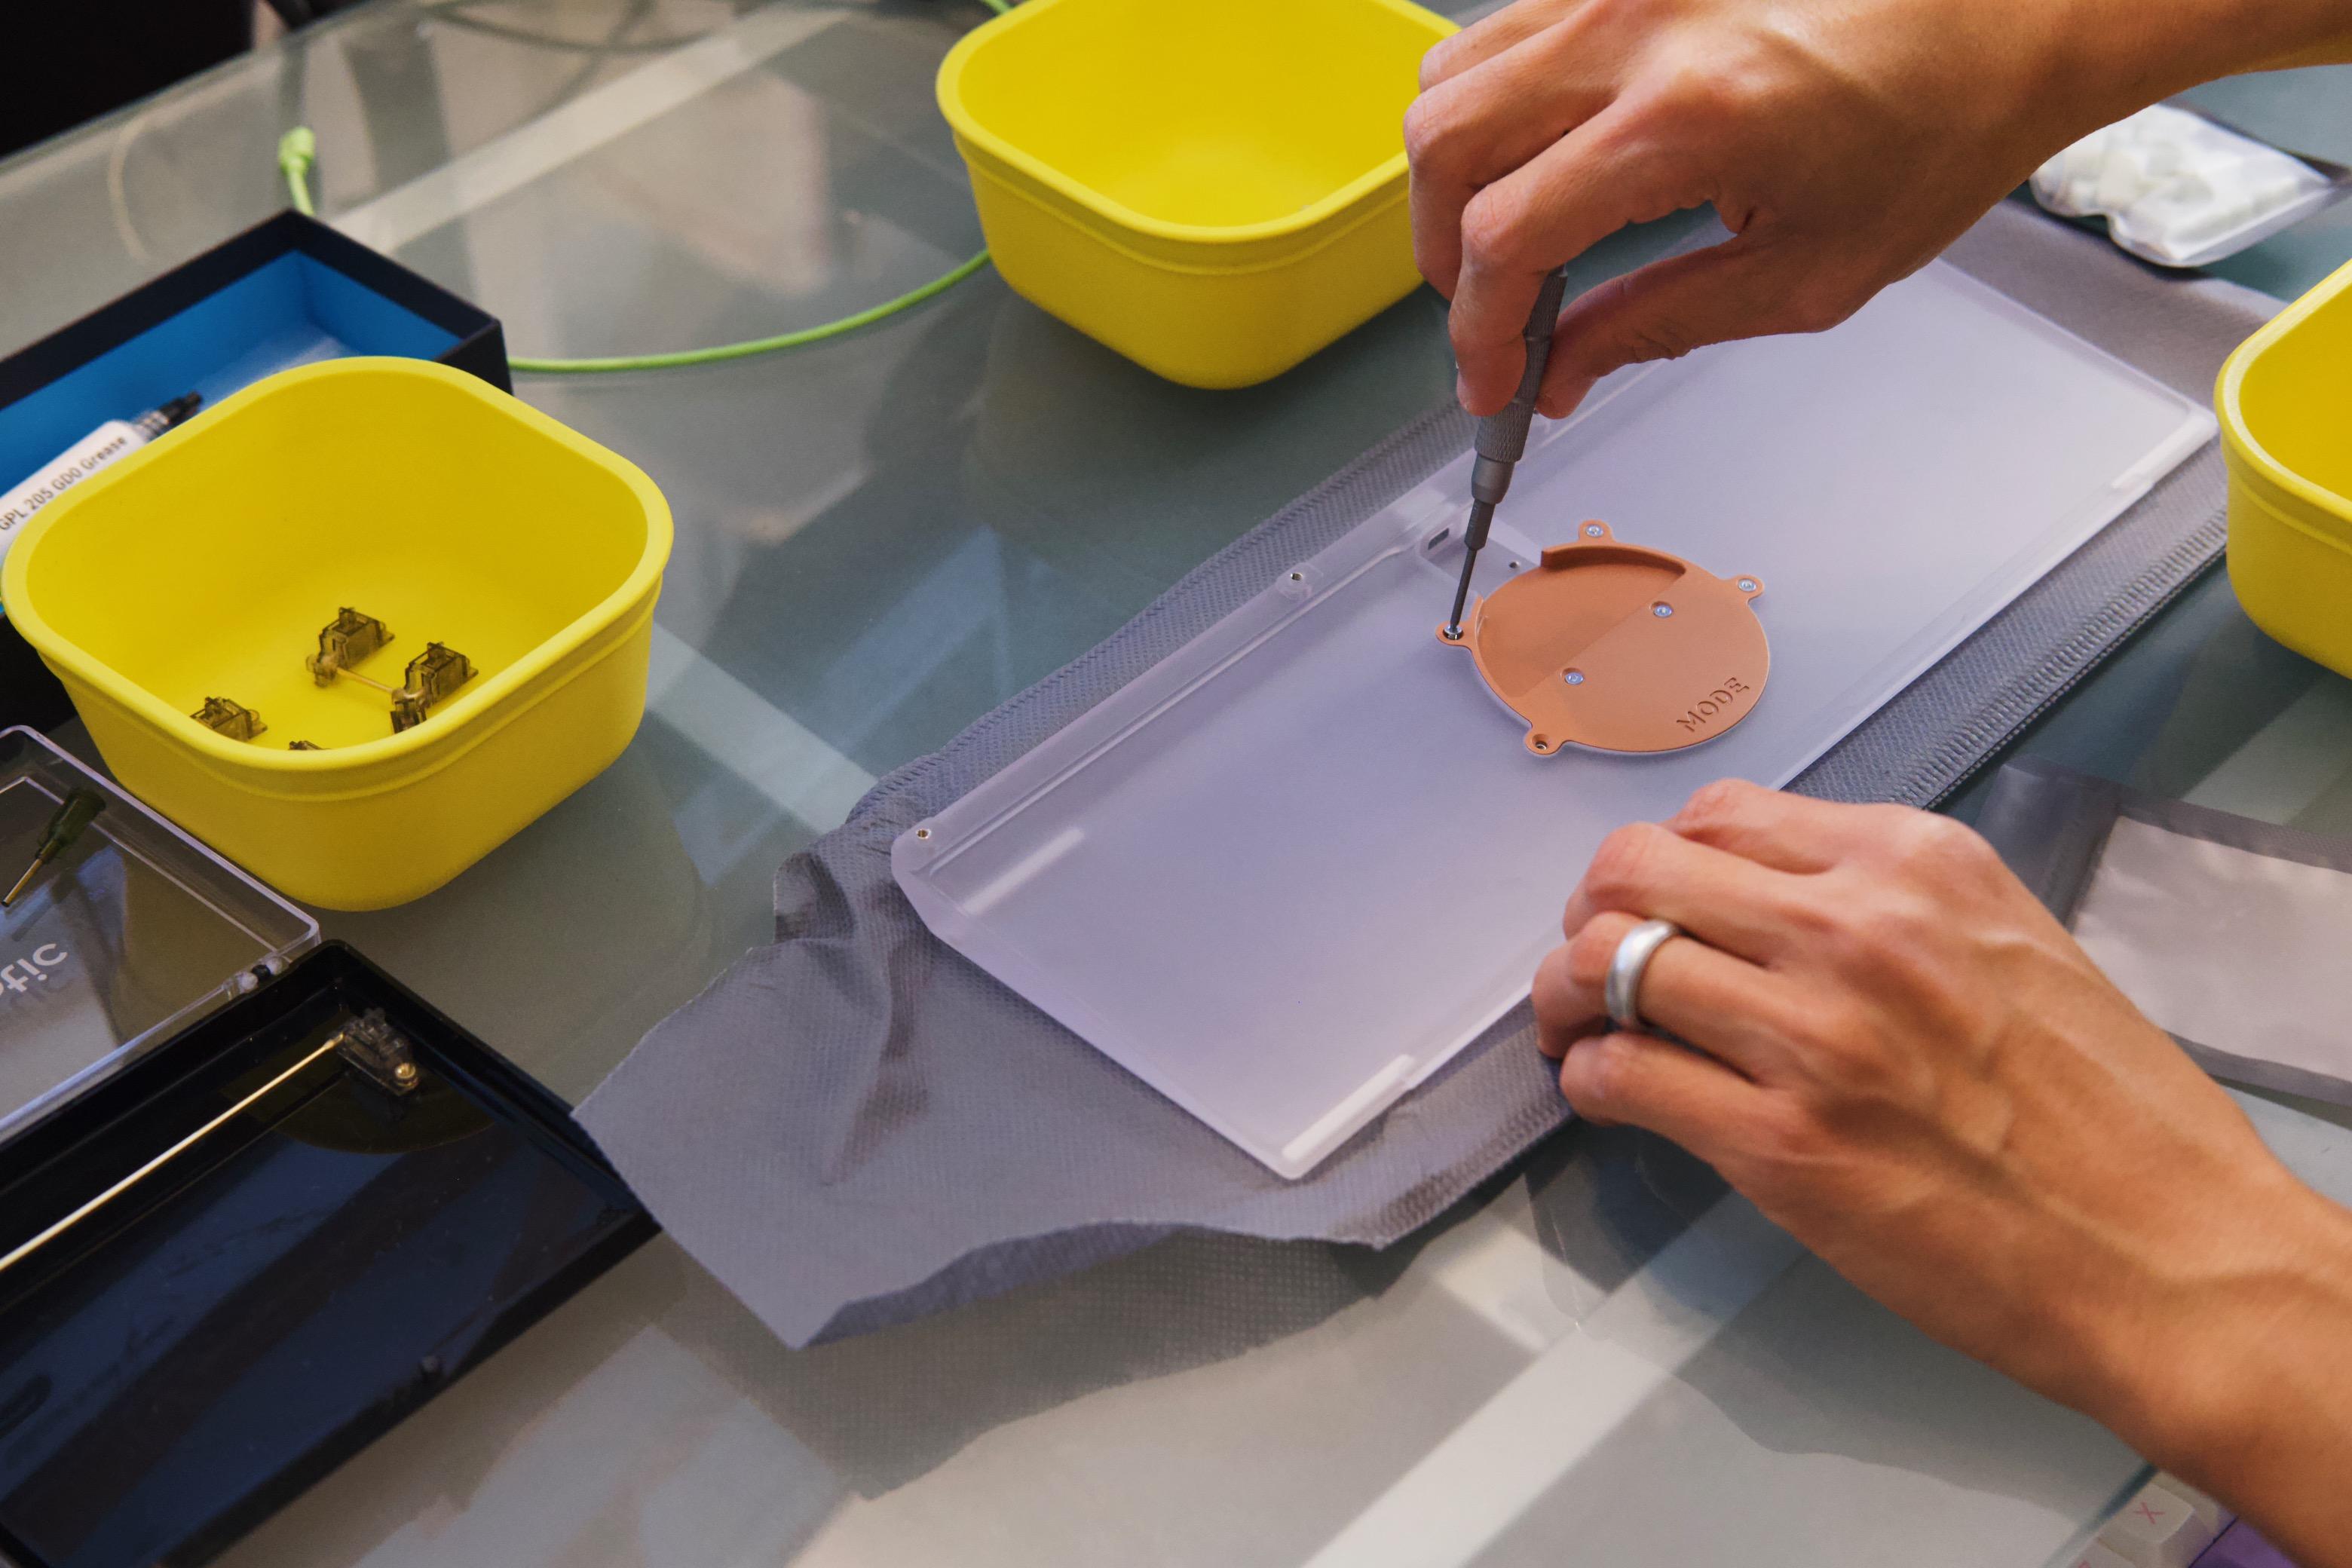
pixel 1600 1356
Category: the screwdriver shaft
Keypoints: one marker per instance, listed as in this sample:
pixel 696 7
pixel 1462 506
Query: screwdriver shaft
pixel 1503 438
pixel 1481 513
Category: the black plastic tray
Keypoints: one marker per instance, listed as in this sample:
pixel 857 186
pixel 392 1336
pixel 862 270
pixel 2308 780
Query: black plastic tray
pixel 181 1362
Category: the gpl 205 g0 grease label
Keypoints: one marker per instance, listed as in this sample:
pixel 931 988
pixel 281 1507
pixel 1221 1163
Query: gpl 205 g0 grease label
pixel 91 453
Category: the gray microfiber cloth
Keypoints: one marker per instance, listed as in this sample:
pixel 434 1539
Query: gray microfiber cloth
pixel 857 1126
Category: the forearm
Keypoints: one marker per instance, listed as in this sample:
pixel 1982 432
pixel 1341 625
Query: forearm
pixel 2121 55
pixel 2247 1391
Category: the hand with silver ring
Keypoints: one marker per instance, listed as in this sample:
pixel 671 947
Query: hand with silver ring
pixel 1621 988
pixel 1881 1038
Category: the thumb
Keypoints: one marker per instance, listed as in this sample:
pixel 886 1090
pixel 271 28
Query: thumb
pixel 1744 288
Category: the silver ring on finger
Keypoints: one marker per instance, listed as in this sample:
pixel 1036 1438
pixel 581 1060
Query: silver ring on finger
pixel 1620 991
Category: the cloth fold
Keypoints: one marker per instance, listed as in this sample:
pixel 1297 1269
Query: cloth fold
pixel 856 1126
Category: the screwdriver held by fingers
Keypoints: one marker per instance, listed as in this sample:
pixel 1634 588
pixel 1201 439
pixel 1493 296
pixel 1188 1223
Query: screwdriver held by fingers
pixel 1503 439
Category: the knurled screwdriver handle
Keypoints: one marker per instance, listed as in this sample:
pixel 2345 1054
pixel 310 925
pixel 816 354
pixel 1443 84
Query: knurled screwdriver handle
pixel 1503 434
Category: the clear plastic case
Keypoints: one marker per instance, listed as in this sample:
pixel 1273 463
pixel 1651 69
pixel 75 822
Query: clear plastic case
pixel 1287 874
pixel 131 933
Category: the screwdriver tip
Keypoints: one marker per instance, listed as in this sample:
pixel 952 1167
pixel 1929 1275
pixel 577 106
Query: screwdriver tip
pixel 1461 597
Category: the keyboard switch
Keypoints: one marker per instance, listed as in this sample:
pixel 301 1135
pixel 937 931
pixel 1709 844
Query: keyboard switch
pixel 2156 1530
pixel 2207 1509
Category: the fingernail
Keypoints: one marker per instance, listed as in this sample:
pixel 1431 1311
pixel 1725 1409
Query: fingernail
pixel 1563 401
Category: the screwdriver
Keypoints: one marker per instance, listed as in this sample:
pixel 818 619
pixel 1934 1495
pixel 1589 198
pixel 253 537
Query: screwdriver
pixel 1503 438
pixel 72 817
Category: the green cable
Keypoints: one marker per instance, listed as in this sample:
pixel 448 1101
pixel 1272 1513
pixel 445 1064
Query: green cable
pixel 816 334
pixel 299 149
pixel 296 151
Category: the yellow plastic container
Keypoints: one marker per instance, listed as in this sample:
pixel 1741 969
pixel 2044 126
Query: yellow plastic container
pixel 1214 188
pixel 2285 404
pixel 205 564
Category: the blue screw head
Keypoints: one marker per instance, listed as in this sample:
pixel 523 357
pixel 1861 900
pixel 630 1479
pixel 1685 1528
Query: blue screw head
pixel 1593 530
pixel 1748 584
pixel 1574 678
pixel 1662 611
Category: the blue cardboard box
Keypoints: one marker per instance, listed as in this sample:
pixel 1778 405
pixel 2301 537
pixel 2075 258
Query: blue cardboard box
pixel 288 292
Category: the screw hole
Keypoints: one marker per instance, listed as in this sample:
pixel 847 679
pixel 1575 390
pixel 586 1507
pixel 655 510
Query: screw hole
pixel 1748 584
pixel 1440 537
pixel 922 833
pixel 1540 743
pixel 1662 609
pixel 1298 576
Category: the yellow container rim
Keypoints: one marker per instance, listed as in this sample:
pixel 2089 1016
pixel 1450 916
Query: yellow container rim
pixel 2239 441
pixel 507 685
pixel 1321 210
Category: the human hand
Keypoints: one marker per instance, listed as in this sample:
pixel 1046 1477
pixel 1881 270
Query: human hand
pixel 1902 1058
pixel 1844 143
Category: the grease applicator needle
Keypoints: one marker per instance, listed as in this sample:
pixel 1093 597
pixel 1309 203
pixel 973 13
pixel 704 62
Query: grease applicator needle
pixel 80 805
pixel 1503 440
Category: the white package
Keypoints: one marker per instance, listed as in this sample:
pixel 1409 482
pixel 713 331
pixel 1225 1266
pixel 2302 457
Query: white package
pixel 2180 190
pixel 2240 952
pixel 1287 873
pixel 2229 933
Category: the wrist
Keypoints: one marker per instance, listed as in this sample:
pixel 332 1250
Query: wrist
pixel 2113 57
pixel 2236 1373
